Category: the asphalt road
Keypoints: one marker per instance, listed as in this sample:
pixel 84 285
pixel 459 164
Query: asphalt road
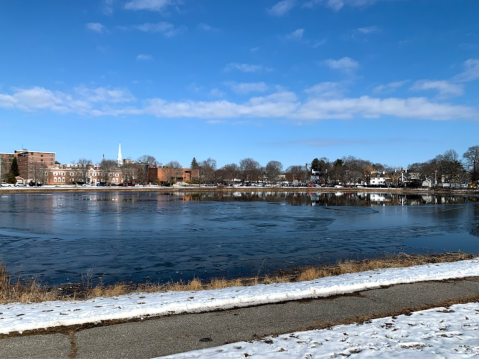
pixel 174 334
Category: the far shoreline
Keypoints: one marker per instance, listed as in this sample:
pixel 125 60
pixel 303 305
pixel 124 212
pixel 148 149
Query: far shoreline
pixel 194 189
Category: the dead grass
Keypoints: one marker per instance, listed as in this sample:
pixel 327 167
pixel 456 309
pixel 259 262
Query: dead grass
pixel 32 291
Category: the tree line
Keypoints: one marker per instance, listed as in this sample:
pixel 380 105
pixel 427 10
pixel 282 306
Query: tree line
pixel 446 167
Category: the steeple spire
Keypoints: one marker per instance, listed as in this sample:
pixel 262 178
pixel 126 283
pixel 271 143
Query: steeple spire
pixel 120 159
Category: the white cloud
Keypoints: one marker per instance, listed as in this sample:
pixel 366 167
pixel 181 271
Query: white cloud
pixel 206 27
pixel 151 5
pixel 418 108
pixel 245 67
pixel 96 26
pixel 444 88
pixel 390 87
pixel 281 8
pixel 369 30
pixel 324 102
pixel 337 5
pixel 144 57
pixel 247 87
pixel 295 35
pixel 104 94
pixel 346 64
pixel 165 28
pixel 470 73
pixel 326 90
pixel 108 7
pixel 217 93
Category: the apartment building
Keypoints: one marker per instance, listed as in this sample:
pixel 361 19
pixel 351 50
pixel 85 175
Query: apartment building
pixel 32 164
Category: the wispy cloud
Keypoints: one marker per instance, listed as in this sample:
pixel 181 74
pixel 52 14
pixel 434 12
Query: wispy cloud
pixel 390 87
pixel 165 28
pixel 282 7
pixel 295 35
pixel 105 101
pixel 470 73
pixel 345 64
pixel 326 90
pixel 368 30
pixel 151 5
pixel 108 7
pixel 206 27
pixel 444 88
pixel 144 57
pixel 217 93
pixel 96 26
pixel 337 5
pixel 248 68
pixel 248 87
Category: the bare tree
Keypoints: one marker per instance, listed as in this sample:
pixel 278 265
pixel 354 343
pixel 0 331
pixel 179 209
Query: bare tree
pixel 471 157
pixel 107 170
pixel 83 166
pixel 296 173
pixel 172 170
pixel 142 168
pixel 38 171
pixel 208 171
pixel 228 173
pixel 273 171
pixel 250 170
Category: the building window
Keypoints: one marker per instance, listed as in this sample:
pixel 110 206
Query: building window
pixel 46 173
pixel 54 173
pixel 71 173
pixel 117 175
pixel 54 179
pixel 63 179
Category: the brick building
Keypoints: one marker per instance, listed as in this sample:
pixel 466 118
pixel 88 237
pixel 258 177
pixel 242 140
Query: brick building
pixel 92 174
pixel 33 164
pixel 166 174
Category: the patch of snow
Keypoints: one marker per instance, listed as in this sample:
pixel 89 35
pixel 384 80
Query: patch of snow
pixel 433 333
pixel 18 317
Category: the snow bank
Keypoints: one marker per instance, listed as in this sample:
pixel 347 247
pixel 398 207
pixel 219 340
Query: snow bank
pixel 19 317
pixel 433 333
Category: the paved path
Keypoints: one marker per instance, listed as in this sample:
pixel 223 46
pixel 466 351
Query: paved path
pixel 167 335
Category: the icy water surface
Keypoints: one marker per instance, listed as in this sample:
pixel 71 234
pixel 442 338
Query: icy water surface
pixel 139 236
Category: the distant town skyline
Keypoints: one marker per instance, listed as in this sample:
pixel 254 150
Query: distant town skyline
pixel 388 81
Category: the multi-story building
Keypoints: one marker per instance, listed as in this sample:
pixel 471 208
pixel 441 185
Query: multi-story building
pixel 33 164
pixel 92 174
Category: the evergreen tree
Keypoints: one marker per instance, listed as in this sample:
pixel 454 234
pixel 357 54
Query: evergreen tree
pixel 14 168
pixel 194 164
pixel 10 178
pixel 315 165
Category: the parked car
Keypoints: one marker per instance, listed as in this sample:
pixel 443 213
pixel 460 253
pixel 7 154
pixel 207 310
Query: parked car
pixel 20 185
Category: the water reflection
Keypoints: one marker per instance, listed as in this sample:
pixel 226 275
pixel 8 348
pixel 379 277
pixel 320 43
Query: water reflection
pixel 177 235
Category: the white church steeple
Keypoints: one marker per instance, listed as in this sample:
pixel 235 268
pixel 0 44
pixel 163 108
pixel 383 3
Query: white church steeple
pixel 120 159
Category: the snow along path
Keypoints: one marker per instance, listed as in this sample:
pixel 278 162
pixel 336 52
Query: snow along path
pixel 17 317
pixel 451 332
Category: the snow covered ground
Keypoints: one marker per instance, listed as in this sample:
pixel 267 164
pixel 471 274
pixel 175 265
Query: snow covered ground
pixel 17 317
pixel 435 333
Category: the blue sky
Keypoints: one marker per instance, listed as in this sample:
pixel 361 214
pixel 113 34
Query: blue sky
pixel 390 81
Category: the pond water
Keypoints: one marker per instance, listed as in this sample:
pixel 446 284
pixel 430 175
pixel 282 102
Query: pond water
pixel 140 236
